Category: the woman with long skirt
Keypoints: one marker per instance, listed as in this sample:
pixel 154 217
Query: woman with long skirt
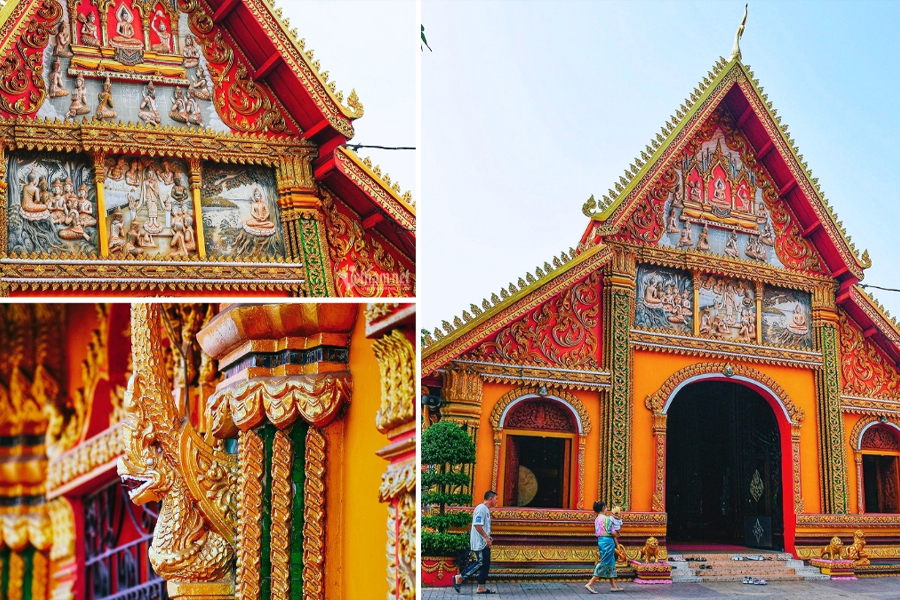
pixel 606 542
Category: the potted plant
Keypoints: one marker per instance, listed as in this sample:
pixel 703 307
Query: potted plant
pixel 446 449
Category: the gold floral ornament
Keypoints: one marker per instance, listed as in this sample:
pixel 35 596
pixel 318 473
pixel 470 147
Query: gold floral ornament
pixel 167 461
pixel 314 398
pixel 396 359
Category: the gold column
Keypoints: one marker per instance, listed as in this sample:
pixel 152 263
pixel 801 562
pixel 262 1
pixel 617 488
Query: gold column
pixel 462 393
pixel 4 203
pixel 314 517
pixel 795 465
pixel 495 474
pixel 760 289
pixel 196 178
pixel 860 504
pixel 280 529
pixel 303 222
pixel 582 442
pixel 658 502
pixel 696 275
pixel 616 404
pixel 99 180
pixel 397 420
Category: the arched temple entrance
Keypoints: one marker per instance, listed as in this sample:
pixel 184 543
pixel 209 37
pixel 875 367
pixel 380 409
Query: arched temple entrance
pixel 539 443
pixel 724 467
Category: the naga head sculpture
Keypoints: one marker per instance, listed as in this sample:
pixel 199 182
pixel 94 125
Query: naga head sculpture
pixel 144 469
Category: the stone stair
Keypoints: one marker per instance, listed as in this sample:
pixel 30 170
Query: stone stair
pixel 780 567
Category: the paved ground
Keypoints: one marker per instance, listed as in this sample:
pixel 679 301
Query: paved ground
pixel 883 588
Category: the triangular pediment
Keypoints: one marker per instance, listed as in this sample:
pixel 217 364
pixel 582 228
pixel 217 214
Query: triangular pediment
pixel 225 65
pixel 724 177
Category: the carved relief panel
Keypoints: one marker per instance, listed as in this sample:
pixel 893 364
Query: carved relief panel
pixel 52 204
pixel 149 208
pixel 240 215
pixel 727 309
pixel 127 61
pixel 665 300
pixel 786 318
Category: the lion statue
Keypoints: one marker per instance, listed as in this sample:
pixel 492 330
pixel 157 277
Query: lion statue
pixel 856 550
pixel 650 551
pixel 833 550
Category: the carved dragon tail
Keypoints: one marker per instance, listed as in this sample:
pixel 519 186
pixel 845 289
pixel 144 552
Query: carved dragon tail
pixel 150 380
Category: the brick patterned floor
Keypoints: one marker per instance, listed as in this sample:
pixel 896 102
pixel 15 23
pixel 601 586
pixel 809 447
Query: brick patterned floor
pixel 883 588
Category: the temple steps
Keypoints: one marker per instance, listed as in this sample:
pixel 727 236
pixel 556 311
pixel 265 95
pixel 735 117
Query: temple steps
pixel 781 567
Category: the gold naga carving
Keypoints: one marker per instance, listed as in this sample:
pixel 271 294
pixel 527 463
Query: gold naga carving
pixel 167 461
pixel 314 398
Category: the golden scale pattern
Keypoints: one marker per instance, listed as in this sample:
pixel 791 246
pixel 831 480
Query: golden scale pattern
pixel 314 517
pixel 249 533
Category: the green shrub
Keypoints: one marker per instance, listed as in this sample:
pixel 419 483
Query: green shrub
pixel 446 448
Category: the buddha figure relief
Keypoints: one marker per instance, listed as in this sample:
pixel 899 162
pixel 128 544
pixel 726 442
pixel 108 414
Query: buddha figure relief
pixel 158 25
pixel 31 208
pixel 105 103
pixel 62 41
pixel 686 239
pixel 199 89
pixel 178 111
pixel 259 224
pixel 117 231
pixel 149 112
pixel 57 203
pixel 190 52
pixel 703 241
pixel 56 88
pixel 89 30
pixel 116 172
pixel 731 248
pixel 798 324
pixel 78 106
pixel 673 222
pixel 124 37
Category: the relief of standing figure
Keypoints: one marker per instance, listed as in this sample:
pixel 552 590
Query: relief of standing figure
pixel 56 88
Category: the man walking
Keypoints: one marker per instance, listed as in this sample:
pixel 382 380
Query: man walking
pixel 480 541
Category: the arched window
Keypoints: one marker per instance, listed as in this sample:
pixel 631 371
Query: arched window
pixel 880 449
pixel 540 454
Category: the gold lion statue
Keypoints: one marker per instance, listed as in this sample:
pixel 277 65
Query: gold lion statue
pixel 833 550
pixel 650 551
pixel 856 550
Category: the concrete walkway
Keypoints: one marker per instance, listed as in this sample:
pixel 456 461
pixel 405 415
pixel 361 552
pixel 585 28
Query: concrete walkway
pixel 883 588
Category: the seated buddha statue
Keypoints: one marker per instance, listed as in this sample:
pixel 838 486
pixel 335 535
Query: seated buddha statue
pixel 797 324
pixel 32 208
pixel 259 224
pixel 124 37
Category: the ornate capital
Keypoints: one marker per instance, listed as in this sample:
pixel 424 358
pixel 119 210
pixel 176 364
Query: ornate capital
pixel 283 400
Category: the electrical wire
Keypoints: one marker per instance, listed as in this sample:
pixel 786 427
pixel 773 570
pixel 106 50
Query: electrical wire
pixel 868 285
pixel 356 147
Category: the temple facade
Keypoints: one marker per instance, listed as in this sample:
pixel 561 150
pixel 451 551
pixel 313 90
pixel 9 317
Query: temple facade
pixel 160 147
pixel 705 358
pixel 207 451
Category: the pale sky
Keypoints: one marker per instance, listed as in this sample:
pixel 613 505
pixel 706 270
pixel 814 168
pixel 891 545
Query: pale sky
pixel 528 108
pixel 369 45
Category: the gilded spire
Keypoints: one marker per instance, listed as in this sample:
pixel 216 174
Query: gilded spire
pixel 736 49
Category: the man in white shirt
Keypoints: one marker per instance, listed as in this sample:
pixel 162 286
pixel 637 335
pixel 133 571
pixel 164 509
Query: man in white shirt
pixel 480 542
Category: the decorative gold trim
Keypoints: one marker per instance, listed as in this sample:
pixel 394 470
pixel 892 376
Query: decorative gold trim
pixel 314 398
pixel 513 395
pixel 656 402
pixel 84 458
pixel 572 379
pixel 692 346
pixel 396 361
pixel 869 406
pixel 314 517
pixel 280 530
pixel 142 139
pixel 249 534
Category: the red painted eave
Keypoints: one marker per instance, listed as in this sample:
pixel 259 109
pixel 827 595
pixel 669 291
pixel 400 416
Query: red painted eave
pixel 789 188
pixel 261 51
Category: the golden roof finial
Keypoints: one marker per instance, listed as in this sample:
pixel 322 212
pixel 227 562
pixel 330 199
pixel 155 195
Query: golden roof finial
pixel 736 49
